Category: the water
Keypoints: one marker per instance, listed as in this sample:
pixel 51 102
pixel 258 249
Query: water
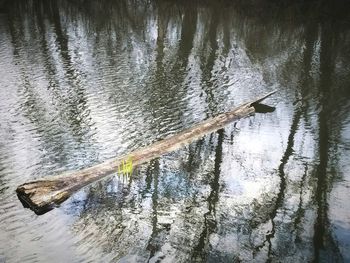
pixel 84 81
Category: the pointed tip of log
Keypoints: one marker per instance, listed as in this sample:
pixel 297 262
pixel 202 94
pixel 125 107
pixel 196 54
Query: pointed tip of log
pixel 42 196
pixel 260 99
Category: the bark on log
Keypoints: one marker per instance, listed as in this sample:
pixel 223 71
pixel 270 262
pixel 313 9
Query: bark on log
pixel 43 195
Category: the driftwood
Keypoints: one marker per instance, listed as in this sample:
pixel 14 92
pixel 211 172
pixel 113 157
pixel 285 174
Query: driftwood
pixel 43 195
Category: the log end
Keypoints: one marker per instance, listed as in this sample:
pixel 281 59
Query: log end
pixel 258 100
pixel 42 196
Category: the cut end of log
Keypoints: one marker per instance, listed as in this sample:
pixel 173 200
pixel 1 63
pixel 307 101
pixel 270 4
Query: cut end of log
pixel 42 196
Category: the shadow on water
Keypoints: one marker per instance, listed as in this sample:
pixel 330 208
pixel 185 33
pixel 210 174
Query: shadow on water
pixel 85 79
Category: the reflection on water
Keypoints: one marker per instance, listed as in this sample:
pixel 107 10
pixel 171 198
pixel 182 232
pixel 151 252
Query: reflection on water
pixel 82 81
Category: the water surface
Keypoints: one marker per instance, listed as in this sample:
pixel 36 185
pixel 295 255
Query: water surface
pixel 84 81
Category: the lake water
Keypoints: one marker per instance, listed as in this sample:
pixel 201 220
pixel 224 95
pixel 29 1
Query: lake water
pixel 84 81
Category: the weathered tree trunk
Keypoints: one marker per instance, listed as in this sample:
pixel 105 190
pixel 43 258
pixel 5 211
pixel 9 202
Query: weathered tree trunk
pixel 43 195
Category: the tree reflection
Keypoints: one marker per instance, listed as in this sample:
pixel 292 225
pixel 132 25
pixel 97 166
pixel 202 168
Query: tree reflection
pixel 141 55
pixel 200 251
pixel 325 246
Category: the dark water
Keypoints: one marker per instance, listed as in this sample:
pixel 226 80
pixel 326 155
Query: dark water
pixel 83 81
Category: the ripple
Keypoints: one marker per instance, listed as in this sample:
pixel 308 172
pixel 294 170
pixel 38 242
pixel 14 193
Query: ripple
pixel 79 86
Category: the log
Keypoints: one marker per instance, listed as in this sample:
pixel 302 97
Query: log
pixel 45 194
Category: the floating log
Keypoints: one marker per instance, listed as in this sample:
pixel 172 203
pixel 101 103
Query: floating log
pixel 43 195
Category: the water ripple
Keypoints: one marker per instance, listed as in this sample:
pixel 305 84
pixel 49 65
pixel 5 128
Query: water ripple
pixel 80 85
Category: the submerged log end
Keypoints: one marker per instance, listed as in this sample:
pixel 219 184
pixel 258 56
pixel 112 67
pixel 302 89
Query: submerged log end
pixel 42 196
